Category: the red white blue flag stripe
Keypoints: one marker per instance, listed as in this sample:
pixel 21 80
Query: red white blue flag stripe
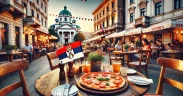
pixel 76 50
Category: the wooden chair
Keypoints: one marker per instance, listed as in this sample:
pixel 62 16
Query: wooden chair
pixel 112 56
pixel 144 56
pixel 51 56
pixel 12 67
pixel 169 63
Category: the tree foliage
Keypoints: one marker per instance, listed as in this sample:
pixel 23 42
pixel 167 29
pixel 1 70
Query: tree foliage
pixel 52 32
pixel 79 37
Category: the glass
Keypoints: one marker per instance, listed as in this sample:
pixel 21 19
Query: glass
pixel 106 68
pixel 124 71
pixel 116 66
pixel 86 67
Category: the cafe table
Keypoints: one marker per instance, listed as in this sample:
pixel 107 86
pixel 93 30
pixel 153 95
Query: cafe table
pixel 165 53
pixel 50 80
pixel 10 55
pixel 125 53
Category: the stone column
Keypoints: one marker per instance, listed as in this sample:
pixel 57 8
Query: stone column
pixel 70 37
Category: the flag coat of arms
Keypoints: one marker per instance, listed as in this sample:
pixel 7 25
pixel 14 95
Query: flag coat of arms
pixel 70 52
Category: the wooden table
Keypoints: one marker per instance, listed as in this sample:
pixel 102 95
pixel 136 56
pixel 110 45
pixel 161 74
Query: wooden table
pixel 172 53
pixel 125 53
pixel 10 55
pixel 50 80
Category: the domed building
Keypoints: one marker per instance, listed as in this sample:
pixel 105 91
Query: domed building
pixel 65 26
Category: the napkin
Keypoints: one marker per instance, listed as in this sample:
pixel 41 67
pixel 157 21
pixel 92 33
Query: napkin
pixel 139 79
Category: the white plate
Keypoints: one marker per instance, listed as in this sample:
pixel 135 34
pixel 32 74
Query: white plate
pixel 131 71
pixel 57 91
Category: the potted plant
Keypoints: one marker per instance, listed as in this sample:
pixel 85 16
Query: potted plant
pixel 10 48
pixel 96 59
pixel 126 48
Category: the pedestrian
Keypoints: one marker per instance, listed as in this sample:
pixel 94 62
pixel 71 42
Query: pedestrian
pixel 29 49
pixel 161 47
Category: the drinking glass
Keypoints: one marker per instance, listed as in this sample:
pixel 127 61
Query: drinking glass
pixel 86 67
pixel 116 66
pixel 106 68
pixel 124 71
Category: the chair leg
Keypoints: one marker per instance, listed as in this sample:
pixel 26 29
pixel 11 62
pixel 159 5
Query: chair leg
pixel 146 71
pixel 110 62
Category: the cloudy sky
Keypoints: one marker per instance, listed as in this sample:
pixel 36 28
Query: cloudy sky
pixel 77 9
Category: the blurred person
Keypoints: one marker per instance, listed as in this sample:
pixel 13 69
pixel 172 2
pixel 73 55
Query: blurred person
pixel 161 46
pixel 118 46
pixel 29 49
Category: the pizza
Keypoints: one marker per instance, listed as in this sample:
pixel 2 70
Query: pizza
pixel 103 81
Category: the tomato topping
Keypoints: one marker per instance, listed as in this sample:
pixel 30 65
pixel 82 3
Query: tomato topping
pixel 104 74
pixel 116 82
pixel 92 76
pixel 118 78
pixel 102 86
pixel 89 82
pixel 97 83
pixel 96 74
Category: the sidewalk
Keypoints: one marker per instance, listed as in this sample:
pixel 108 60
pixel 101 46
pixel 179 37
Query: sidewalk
pixel 40 66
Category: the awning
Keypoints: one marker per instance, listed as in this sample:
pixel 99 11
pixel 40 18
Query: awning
pixel 117 34
pixel 94 38
pixel 53 37
pixel 163 25
pixel 134 31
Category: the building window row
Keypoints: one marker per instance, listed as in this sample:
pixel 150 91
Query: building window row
pixel 158 8
pixel 131 1
pixel 178 4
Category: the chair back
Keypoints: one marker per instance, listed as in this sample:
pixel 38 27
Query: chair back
pixel 144 55
pixel 10 67
pixel 169 63
pixel 51 56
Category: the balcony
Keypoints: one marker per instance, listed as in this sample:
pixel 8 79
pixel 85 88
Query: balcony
pixel 142 22
pixel 32 21
pixel 14 7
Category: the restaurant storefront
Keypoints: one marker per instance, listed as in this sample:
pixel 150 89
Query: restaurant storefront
pixel 133 35
pixel 167 31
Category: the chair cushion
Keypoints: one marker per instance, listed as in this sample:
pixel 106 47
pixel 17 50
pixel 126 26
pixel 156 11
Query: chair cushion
pixel 137 63
pixel 113 57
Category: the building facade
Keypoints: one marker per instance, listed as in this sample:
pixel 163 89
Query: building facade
pixel 148 13
pixel 65 26
pixel 21 21
pixel 111 15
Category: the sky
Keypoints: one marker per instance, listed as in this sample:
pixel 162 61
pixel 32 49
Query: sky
pixel 77 9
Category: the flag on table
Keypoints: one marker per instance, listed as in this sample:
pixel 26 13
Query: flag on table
pixel 70 52
pixel 102 26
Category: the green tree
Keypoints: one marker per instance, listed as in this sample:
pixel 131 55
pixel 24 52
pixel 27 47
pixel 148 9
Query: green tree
pixel 52 32
pixel 79 37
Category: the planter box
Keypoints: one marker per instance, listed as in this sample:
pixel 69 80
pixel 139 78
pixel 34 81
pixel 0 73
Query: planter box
pixel 96 66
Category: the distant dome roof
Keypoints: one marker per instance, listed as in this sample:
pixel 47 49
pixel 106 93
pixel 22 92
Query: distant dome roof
pixel 77 26
pixel 65 12
pixel 52 27
pixel 56 19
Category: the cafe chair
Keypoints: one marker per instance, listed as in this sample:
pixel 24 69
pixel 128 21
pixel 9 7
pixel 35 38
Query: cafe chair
pixel 10 67
pixel 52 56
pixel 113 56
pixel 143 61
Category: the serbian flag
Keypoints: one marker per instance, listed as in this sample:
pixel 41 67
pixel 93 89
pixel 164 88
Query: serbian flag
pixel 70 52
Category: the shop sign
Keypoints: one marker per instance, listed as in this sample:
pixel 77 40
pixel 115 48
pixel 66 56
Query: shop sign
pixel 179 25
pixel 157 28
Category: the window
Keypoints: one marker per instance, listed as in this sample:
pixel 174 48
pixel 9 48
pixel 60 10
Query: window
pixel 42 21
pixel 113 4
pixel 45 23
pixel 158 8
pixel 107 22
pixel 42 5
pixel 25 5
pixel 107 9
pixel 38 16
pixel 112 19
pixel 45 9
pixel 103 12
pixel 97 17
pixel 100 14
pixel 60 19
pixel 131 1
pixel 65 18
pixel 178 4
pixel 131 17
pixel 37 1
pixel 142 12
pixel 17 36
pixel 32 11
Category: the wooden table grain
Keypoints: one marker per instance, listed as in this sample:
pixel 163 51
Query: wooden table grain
pixel 50 80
